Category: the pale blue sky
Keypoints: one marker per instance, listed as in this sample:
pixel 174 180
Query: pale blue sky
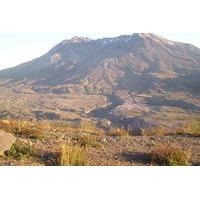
pixel 16 48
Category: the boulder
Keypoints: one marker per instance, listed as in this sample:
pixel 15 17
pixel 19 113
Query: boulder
pixel 6 141
pixel 137 132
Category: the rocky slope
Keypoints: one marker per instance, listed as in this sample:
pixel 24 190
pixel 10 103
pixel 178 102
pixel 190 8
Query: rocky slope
pixel 153 80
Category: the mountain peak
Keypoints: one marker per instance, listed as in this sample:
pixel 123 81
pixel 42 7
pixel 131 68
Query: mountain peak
pixel 154 37
pixel 77 39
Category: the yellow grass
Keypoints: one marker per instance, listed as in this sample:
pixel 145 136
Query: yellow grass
pixel 118 132
pixel 72 156
pixel 24 128
pixel 191 127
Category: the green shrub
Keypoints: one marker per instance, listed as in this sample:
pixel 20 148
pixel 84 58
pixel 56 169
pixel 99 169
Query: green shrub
pixel 20 151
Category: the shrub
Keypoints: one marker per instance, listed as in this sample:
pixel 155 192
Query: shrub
pixel 88 140
pixel 87 126
pixel 169 155
pixel 20 151
pixel 23 128
pixel 72 156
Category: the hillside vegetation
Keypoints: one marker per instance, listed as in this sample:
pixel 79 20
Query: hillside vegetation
pixel 56 143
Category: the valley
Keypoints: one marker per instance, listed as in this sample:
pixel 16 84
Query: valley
pixel 117 99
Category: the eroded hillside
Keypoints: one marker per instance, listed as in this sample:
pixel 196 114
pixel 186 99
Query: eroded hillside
pixel 139 80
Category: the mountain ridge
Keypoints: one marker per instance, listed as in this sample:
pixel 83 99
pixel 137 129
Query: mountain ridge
pixel 150 75
pixel 80 39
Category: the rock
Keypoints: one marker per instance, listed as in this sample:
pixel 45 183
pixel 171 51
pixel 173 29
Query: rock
pixel 137 132
pixel 6 141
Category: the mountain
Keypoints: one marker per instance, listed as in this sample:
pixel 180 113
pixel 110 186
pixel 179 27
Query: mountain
pixel 139 80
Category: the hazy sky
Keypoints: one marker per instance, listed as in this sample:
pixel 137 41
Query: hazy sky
pixel 16 48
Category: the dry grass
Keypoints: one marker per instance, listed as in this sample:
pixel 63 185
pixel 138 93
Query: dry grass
pixel 72 156
pixel 84 126
pixel 192 127
pixel 88 126
pixel 169 155
pixel 88 140
pixel 156 131
pixel 189 127
pixel 24 128
pixel 118 132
